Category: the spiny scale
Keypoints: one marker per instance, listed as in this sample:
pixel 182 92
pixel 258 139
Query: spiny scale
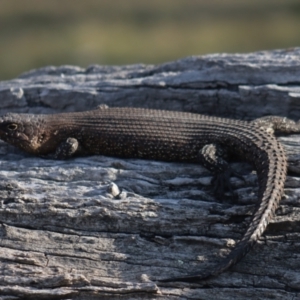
pixel 168 136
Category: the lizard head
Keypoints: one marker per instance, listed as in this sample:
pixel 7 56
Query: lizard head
pixel 24 131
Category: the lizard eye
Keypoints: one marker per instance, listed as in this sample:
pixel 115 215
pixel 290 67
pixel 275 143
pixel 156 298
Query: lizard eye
pixel 12 126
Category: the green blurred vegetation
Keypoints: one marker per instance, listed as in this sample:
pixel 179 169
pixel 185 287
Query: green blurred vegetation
pixel 35 33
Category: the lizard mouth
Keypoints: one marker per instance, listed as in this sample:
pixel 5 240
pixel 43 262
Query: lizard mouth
pixel 13 139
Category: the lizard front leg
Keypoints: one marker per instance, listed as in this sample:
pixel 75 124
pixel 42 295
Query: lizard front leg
pixel 65 149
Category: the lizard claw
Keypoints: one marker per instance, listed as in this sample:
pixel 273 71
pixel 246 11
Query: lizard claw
pixel 221 182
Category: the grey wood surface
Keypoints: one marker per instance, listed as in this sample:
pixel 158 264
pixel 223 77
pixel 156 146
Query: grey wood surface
pixel 64 234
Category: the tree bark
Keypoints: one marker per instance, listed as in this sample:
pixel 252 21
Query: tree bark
pixel 65 234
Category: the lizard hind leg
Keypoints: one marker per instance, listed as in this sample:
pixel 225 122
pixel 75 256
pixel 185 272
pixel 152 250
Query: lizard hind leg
pixel 214 158
pixel 277 124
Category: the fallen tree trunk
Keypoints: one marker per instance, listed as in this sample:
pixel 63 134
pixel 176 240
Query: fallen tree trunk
pixel 65 234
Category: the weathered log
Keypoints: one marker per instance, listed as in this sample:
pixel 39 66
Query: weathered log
pixel 64 234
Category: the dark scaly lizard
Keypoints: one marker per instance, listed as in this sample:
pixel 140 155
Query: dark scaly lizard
pixel 167 136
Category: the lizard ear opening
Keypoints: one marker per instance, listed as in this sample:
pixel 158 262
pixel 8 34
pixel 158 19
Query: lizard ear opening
pixel 12 126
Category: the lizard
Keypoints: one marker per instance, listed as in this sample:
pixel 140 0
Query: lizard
pixel 167 136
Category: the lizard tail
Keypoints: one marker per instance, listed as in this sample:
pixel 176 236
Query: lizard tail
pixel 271 171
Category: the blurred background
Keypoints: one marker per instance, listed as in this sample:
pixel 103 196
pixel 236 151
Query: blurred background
pixel 36 33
